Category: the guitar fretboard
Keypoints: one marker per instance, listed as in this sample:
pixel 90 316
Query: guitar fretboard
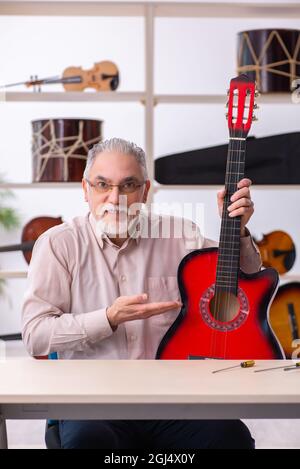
pixel 229 243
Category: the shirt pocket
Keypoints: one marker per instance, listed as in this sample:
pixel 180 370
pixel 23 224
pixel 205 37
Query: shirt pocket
pixel 163 289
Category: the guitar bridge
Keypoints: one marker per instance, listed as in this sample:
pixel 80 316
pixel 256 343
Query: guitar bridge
pixel 199 357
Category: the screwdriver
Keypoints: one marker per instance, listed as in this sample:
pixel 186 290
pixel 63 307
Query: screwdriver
pixel 246 364
pixel 291 367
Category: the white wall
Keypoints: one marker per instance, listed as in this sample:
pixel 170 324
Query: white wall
pixel 192 56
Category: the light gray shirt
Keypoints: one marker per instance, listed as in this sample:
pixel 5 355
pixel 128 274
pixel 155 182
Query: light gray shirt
pixel 76 273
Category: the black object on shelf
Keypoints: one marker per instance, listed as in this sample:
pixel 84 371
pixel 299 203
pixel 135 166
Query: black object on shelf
pixel 270 160
pixel 7 337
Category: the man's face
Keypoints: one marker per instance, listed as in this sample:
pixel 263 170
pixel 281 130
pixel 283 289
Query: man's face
pixel 110 208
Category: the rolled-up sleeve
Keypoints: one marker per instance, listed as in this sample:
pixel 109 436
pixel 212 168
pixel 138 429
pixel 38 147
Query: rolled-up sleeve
pixel 250 258
pixel 47 324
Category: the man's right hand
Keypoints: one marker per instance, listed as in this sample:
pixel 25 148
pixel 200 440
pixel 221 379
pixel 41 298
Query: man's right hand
pixel 130 308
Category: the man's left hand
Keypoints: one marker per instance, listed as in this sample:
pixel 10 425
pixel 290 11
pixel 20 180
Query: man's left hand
pixel 241 203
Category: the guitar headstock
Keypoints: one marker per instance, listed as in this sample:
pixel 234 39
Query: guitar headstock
pixel 241 105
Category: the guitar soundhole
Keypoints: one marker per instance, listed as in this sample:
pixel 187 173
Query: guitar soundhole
pixel 223 313
pixel 224 306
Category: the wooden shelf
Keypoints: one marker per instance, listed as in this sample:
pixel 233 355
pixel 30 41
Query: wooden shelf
pixel 196 187
pixel 272 98
pixel 114 96
pixel 231 9
pixel 156 186
pixel 72 8
pixel 165 8
pixel 291 277
pixel 40 185
pixel 13 274
pixel 72 96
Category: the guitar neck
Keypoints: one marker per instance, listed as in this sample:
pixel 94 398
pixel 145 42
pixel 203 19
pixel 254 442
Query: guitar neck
pixel 26 246
pixel 229 243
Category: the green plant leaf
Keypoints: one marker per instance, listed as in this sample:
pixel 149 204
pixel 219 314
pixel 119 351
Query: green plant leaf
pixel 2 286
pixel 9 218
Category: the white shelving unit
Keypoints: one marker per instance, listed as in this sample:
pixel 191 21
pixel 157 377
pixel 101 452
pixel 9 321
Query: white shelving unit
pixel 149 10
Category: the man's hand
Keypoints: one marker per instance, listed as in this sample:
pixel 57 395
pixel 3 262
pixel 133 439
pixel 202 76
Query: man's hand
pixel 129 308
pixel 241 203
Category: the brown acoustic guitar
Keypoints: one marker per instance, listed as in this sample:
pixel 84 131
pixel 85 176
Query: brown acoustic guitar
pixel 277 250
pixel 285 316
pixel 30 233
pixel 104 76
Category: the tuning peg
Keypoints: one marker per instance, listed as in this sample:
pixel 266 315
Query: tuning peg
pixel 255 106
pixel 226 115
pixel 254 118
pixel 257 93
pixel 228 92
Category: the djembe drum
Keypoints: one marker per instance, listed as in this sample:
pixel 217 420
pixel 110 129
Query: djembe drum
pixel 271 57
pixel 60 147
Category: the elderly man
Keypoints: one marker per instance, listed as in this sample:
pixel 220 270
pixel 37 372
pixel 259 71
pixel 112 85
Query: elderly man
pixel 108 290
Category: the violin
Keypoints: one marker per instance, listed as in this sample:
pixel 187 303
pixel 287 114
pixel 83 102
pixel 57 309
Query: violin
pixel 285 316
pixel 277 250
pixel 104 76
pixel 31 231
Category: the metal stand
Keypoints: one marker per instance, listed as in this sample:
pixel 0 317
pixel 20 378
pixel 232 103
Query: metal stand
pixel 7 337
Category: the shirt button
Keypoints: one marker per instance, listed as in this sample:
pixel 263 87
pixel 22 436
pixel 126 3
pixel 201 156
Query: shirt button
pixel 123 278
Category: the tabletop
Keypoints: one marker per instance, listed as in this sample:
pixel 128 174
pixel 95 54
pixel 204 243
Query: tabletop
pixel 146 381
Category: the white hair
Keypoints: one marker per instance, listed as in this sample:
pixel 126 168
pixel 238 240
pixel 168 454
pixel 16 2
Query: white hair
pixel 116 145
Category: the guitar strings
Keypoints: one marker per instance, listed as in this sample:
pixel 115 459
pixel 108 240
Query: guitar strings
pixel 236 222
pixel 235 231
pixel 229 230
pixel 218 296
pixel 234 228
pixel 228 236
pixel 233 179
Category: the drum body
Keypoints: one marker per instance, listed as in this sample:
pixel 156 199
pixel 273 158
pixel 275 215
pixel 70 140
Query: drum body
pixel 271 57
pixel 60 148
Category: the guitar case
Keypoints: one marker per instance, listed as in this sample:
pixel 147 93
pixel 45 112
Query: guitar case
pixel 270 160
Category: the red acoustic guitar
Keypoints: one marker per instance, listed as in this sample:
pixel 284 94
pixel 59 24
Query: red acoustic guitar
pixel 225 311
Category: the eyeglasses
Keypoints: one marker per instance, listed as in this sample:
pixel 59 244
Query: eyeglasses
pixel 126 188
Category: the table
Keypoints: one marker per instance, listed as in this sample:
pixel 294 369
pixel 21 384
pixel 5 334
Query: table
pixel 144 389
